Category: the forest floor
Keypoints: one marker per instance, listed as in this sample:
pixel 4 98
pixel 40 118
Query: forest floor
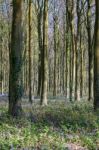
pixel 59 126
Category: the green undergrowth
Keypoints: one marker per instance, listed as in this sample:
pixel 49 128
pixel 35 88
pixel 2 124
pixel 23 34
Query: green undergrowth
pixel 51 127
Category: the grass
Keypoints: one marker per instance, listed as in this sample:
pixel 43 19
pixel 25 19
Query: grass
pixel 50 127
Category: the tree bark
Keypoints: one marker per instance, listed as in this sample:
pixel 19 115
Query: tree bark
pixel 15 77
pixel 30 55
pixel 39 17
pixel 96 59
pixel 89 51
pixel 45 56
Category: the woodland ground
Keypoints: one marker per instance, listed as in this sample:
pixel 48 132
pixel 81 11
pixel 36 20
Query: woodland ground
pixel 59 126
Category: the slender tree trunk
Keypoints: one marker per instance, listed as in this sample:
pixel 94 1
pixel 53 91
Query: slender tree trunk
pixel 40 50
pixel 70 17
pixel 45 56
pixel 1 70
pixel 30 55
pixel 81 67
pixel 55 56
pixel 89 51
pixel 76 54
pixel 67 46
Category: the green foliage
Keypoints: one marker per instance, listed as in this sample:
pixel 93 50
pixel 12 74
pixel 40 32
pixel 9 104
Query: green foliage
pixel 51 127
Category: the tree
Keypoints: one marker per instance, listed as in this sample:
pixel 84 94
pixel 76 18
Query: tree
pixel 15 76
pixel 30 61
pixel 70 9
pixel 76 51
pixel 55 28
pixel 1 69
pixel 44 59
pixel 89 49
pixel 40 40
pixel 96 59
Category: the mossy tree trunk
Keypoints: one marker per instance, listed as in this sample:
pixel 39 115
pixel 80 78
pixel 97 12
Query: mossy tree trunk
pixel 15 76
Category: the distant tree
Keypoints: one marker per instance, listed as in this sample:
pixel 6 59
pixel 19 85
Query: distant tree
pixel 1 68
pixel 55 28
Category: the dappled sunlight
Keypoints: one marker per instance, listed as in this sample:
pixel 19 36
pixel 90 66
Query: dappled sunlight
pixel 51 127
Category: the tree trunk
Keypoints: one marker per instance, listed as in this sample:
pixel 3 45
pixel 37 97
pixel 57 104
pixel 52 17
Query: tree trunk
pixel 55 55
pixel 89 51
pixel 15 77
pixel 45 56
pixel 1 70
pixel 30 55
pixel 40 49
pixel 96 59
pixel 76 54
